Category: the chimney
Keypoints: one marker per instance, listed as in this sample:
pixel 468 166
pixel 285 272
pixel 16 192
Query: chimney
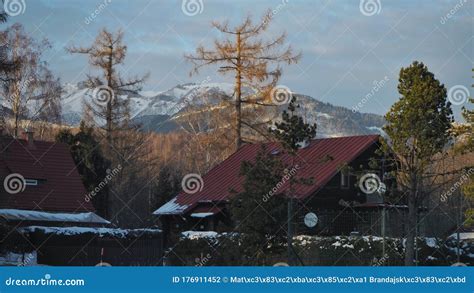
pixel 29 137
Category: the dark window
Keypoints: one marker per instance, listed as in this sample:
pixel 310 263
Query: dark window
pixel 31 182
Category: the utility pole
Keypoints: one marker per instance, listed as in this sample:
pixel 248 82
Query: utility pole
pixel 289 237
pixel 383 210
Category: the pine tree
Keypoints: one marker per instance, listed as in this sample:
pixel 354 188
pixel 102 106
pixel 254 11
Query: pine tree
pixel 293 133
pixel 418 128
pixel 257 213
pixel 248 58
pixel 466 132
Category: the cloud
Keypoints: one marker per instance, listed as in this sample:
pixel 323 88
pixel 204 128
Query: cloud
pixel 343 50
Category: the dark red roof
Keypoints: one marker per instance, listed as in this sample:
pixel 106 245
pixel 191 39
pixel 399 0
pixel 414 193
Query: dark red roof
pixel 320 160
pixel 60 188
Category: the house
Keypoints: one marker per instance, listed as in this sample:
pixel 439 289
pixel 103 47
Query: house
pixel 336 165
pixel 45 217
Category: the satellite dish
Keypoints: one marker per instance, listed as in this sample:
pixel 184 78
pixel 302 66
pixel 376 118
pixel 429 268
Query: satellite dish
pixel 281 264
pixel 310 220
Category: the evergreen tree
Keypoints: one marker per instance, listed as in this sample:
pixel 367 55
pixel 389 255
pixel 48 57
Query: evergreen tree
pixel 168 186
pixel 293 133
pixel 257 212
pixel 418 127
pixel 466 132
pixel 90 163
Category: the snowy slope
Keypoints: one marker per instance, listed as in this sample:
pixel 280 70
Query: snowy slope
pixel 158 110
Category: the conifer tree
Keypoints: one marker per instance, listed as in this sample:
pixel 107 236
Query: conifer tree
pixel 293 133
pixel 418 129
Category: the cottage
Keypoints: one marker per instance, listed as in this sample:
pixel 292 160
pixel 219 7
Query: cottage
pixel 346 195
pixel 46 219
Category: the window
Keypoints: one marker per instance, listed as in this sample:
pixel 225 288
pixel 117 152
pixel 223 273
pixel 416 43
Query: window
pixel 345 179
pixel 31 182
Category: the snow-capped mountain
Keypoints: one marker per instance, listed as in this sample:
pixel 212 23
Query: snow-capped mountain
pixel 159 111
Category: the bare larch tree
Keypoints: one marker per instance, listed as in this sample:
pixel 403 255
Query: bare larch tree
pixel 253 60
pixel 107 53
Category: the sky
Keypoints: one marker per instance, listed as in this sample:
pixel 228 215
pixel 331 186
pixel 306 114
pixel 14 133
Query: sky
pixel 352 51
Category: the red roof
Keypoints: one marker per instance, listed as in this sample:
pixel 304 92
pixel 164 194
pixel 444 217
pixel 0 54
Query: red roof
pixel 320 160
pixel 60 188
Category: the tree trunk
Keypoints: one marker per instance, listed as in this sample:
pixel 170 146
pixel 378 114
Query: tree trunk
pixel 109 103
pixel 289 236
pixel 411 227
pixel 238 96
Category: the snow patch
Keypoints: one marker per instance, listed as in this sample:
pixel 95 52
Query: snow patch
pixel 101 232
pixel 193 235
pixel 27 215
pixel 16 259
pixel 431 242
pixel 201 215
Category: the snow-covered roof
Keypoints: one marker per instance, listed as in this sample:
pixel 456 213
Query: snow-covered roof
pixel 101 232
pixel 171 208
pixel 27 215
pixel 201 215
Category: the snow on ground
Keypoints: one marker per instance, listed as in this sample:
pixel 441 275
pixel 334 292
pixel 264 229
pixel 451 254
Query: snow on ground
pixel 193 235
pixel 101 232
pixel 27 215
pixel 463 235
pixel 431 242
pixel 16 259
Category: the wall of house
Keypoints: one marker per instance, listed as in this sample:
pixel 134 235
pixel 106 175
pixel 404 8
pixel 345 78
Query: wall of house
pixel 332 204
